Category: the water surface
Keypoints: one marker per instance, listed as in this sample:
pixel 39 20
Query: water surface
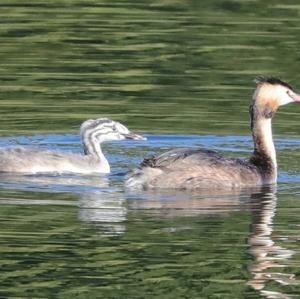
pixel 180 72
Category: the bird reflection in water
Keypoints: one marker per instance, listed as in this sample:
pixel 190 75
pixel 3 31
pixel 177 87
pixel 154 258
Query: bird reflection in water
pixel 261 202
pixel 267 255
pixel 99 203
pixel 107 209
pixel 53 182
pixel 104 209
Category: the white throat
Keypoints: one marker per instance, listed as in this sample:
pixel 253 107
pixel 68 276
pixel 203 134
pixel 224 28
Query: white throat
pixel 263 139
pixel 267 139
pixel 93 150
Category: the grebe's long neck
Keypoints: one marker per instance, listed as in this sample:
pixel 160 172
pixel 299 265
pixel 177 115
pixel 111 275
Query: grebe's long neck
pixel 264 154
pixel 92 148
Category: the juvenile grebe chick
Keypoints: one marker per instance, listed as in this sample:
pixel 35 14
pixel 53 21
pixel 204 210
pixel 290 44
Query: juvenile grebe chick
pixel 93 132
pixel 195 168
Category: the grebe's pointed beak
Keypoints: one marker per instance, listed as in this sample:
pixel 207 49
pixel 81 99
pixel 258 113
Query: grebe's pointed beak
pixel 294 96
pixel 133 136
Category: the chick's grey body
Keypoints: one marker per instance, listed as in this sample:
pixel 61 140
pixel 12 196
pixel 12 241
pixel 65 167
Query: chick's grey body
pixel 195 168
pixel 30 160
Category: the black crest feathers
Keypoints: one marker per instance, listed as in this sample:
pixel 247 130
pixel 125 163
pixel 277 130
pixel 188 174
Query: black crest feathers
pixel 271 80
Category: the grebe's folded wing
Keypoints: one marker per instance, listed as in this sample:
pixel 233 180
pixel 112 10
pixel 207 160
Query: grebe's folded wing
pixel 184 155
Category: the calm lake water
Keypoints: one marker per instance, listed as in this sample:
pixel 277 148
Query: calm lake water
pixel 180 72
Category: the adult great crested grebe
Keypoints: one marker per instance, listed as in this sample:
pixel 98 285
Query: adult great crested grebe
pixel 93 132
pixel 196 168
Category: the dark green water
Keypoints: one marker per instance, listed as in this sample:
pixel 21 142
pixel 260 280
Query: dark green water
pixel 181 68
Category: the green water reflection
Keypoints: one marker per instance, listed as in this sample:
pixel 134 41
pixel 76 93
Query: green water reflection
pixel 188 248
pixel 169 66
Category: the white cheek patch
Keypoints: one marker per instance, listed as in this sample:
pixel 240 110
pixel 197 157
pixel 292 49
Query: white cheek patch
pixel 285 99
pixel 278 94
pixel 122 129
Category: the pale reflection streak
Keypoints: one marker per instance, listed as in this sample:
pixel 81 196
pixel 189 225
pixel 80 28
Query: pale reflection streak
pixel 106 210
pixel 173 203
pixel 52 182
pixel 99 203
pixel 267 255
